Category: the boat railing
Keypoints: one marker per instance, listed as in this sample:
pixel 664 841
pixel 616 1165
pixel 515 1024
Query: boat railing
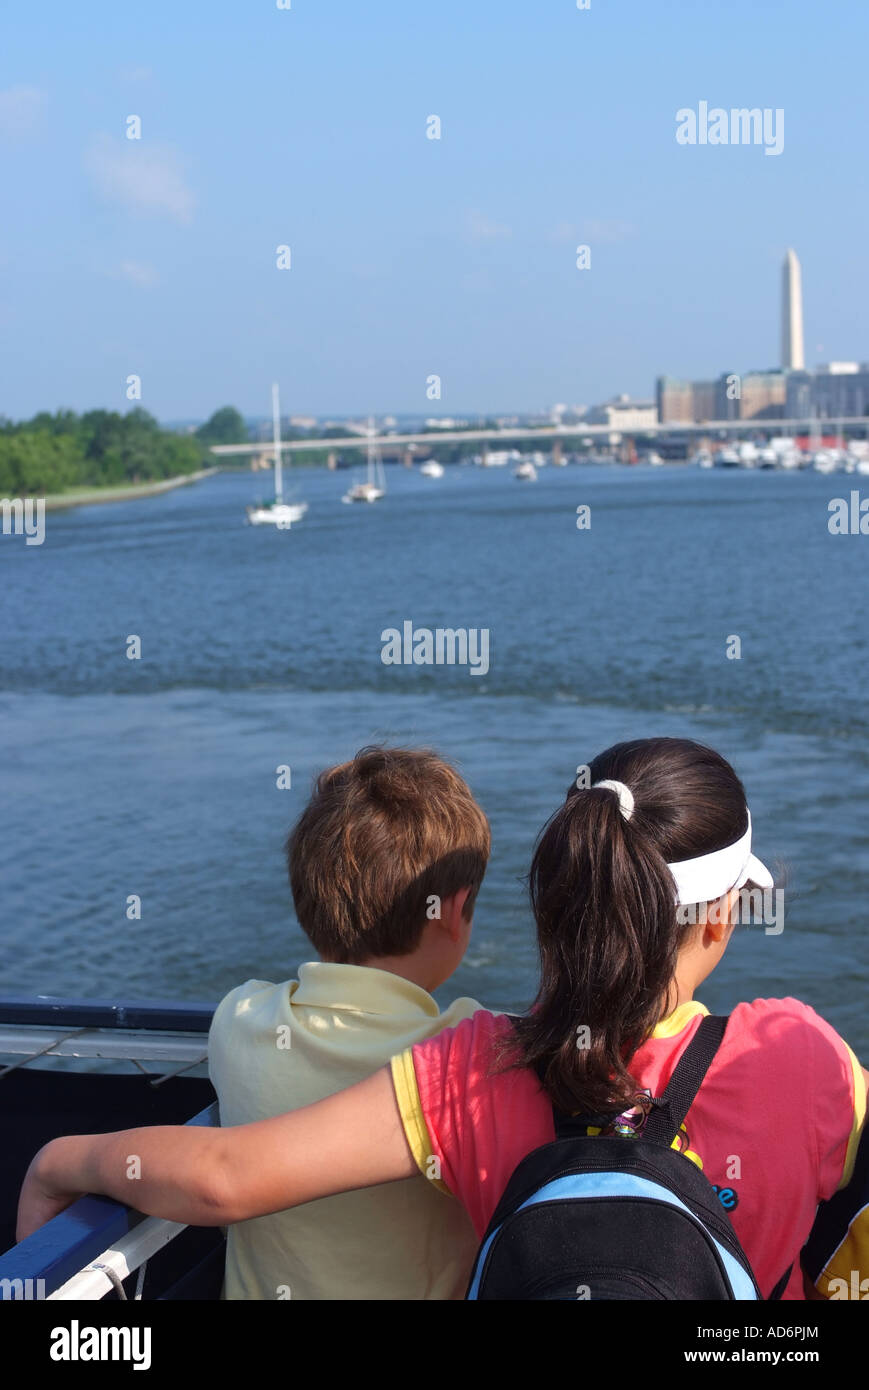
pixel 90 1249
pixel 98 1246
pixel 31 1029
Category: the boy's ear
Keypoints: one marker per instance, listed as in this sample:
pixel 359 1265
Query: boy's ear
pixel 452 913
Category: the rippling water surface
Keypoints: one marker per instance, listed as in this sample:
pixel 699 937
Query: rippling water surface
pixel 157 776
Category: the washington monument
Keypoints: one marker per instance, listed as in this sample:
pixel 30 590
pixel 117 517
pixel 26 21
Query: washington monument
pixel 792 356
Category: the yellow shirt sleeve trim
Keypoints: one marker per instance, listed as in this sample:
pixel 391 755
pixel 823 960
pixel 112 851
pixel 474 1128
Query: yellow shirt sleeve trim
pixel 412 1118
pixel 859 1119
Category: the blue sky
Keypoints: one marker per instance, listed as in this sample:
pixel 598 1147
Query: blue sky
pixel 412 256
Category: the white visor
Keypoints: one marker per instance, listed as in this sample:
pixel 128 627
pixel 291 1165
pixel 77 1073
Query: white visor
pixel 710 876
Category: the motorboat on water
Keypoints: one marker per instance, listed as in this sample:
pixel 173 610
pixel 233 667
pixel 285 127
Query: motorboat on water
pixel 526 472
pixel 498 458
pixel 857 456
pixel 727 458
pixel 431 469
pixel 825 461
pixel 278 513
pixel 747 452
pixel 791 459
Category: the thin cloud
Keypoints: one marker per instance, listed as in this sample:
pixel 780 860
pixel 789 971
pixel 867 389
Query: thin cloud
pixel 595 230
pixel 21 110
pixel 142 177
pixel 482 228
pixel 565 231
pixel 138 273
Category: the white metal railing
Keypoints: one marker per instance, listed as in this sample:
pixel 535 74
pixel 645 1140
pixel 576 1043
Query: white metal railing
pixel 27 1042
pixel 110 1268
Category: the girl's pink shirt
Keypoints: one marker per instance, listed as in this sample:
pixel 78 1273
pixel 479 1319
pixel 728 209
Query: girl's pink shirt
pixel 774 1127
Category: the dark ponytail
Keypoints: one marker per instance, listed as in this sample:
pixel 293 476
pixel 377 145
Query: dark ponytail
pixel 604 904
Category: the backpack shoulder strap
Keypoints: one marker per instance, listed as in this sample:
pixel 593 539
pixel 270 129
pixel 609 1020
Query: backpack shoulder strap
pixel 670 1109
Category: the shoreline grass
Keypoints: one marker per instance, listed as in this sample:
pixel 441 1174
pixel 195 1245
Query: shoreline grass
pixel 85 496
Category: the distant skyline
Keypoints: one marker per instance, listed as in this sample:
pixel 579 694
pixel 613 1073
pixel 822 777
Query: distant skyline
pixel 257 128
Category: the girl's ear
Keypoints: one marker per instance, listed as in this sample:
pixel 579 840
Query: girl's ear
pixel 719 915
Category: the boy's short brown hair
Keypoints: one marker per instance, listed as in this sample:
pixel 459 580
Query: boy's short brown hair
pixel 380 836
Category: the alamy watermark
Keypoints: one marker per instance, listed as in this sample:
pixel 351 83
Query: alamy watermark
pixel 738 126
pixel 441 646
pixel 752 907
pixel 848 516
pixel 77 1343
pixel 19 519
pixel 24 1289
pixel 855 1288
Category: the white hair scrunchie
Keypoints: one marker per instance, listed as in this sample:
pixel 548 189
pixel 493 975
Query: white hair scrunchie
pixel 625 795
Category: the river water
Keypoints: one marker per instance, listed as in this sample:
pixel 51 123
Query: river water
pixel 157 776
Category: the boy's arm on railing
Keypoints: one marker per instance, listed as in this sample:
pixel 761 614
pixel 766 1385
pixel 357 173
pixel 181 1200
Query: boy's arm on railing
pixel 214 1177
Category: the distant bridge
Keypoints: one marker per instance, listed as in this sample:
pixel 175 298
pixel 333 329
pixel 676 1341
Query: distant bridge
pixel 554 434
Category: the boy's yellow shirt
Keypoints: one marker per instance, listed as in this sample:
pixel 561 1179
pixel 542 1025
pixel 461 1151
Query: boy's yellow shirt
pixel 274 1048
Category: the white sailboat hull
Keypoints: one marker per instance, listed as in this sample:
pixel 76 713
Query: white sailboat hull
pixel 363 492
pixel 279 514
pixel 374 485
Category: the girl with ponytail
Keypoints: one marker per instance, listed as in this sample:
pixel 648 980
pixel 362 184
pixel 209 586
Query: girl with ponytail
pixel 633 884
pixel 604 901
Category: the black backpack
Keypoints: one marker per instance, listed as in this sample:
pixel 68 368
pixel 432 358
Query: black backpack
pixel 609 1217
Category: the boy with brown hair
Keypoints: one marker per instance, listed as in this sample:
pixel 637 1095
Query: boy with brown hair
pixel 385 863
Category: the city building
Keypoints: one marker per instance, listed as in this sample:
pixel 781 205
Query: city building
pixel 836 391
pixel 675 400
pixel 685 402
pixel 622 413
pixel 762 396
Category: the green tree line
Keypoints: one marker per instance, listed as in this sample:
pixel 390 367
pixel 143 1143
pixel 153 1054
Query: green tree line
pixel 102 448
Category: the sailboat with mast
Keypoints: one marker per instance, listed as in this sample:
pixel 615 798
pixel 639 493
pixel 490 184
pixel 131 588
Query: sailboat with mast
pixel 374 486
pixel 278 513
